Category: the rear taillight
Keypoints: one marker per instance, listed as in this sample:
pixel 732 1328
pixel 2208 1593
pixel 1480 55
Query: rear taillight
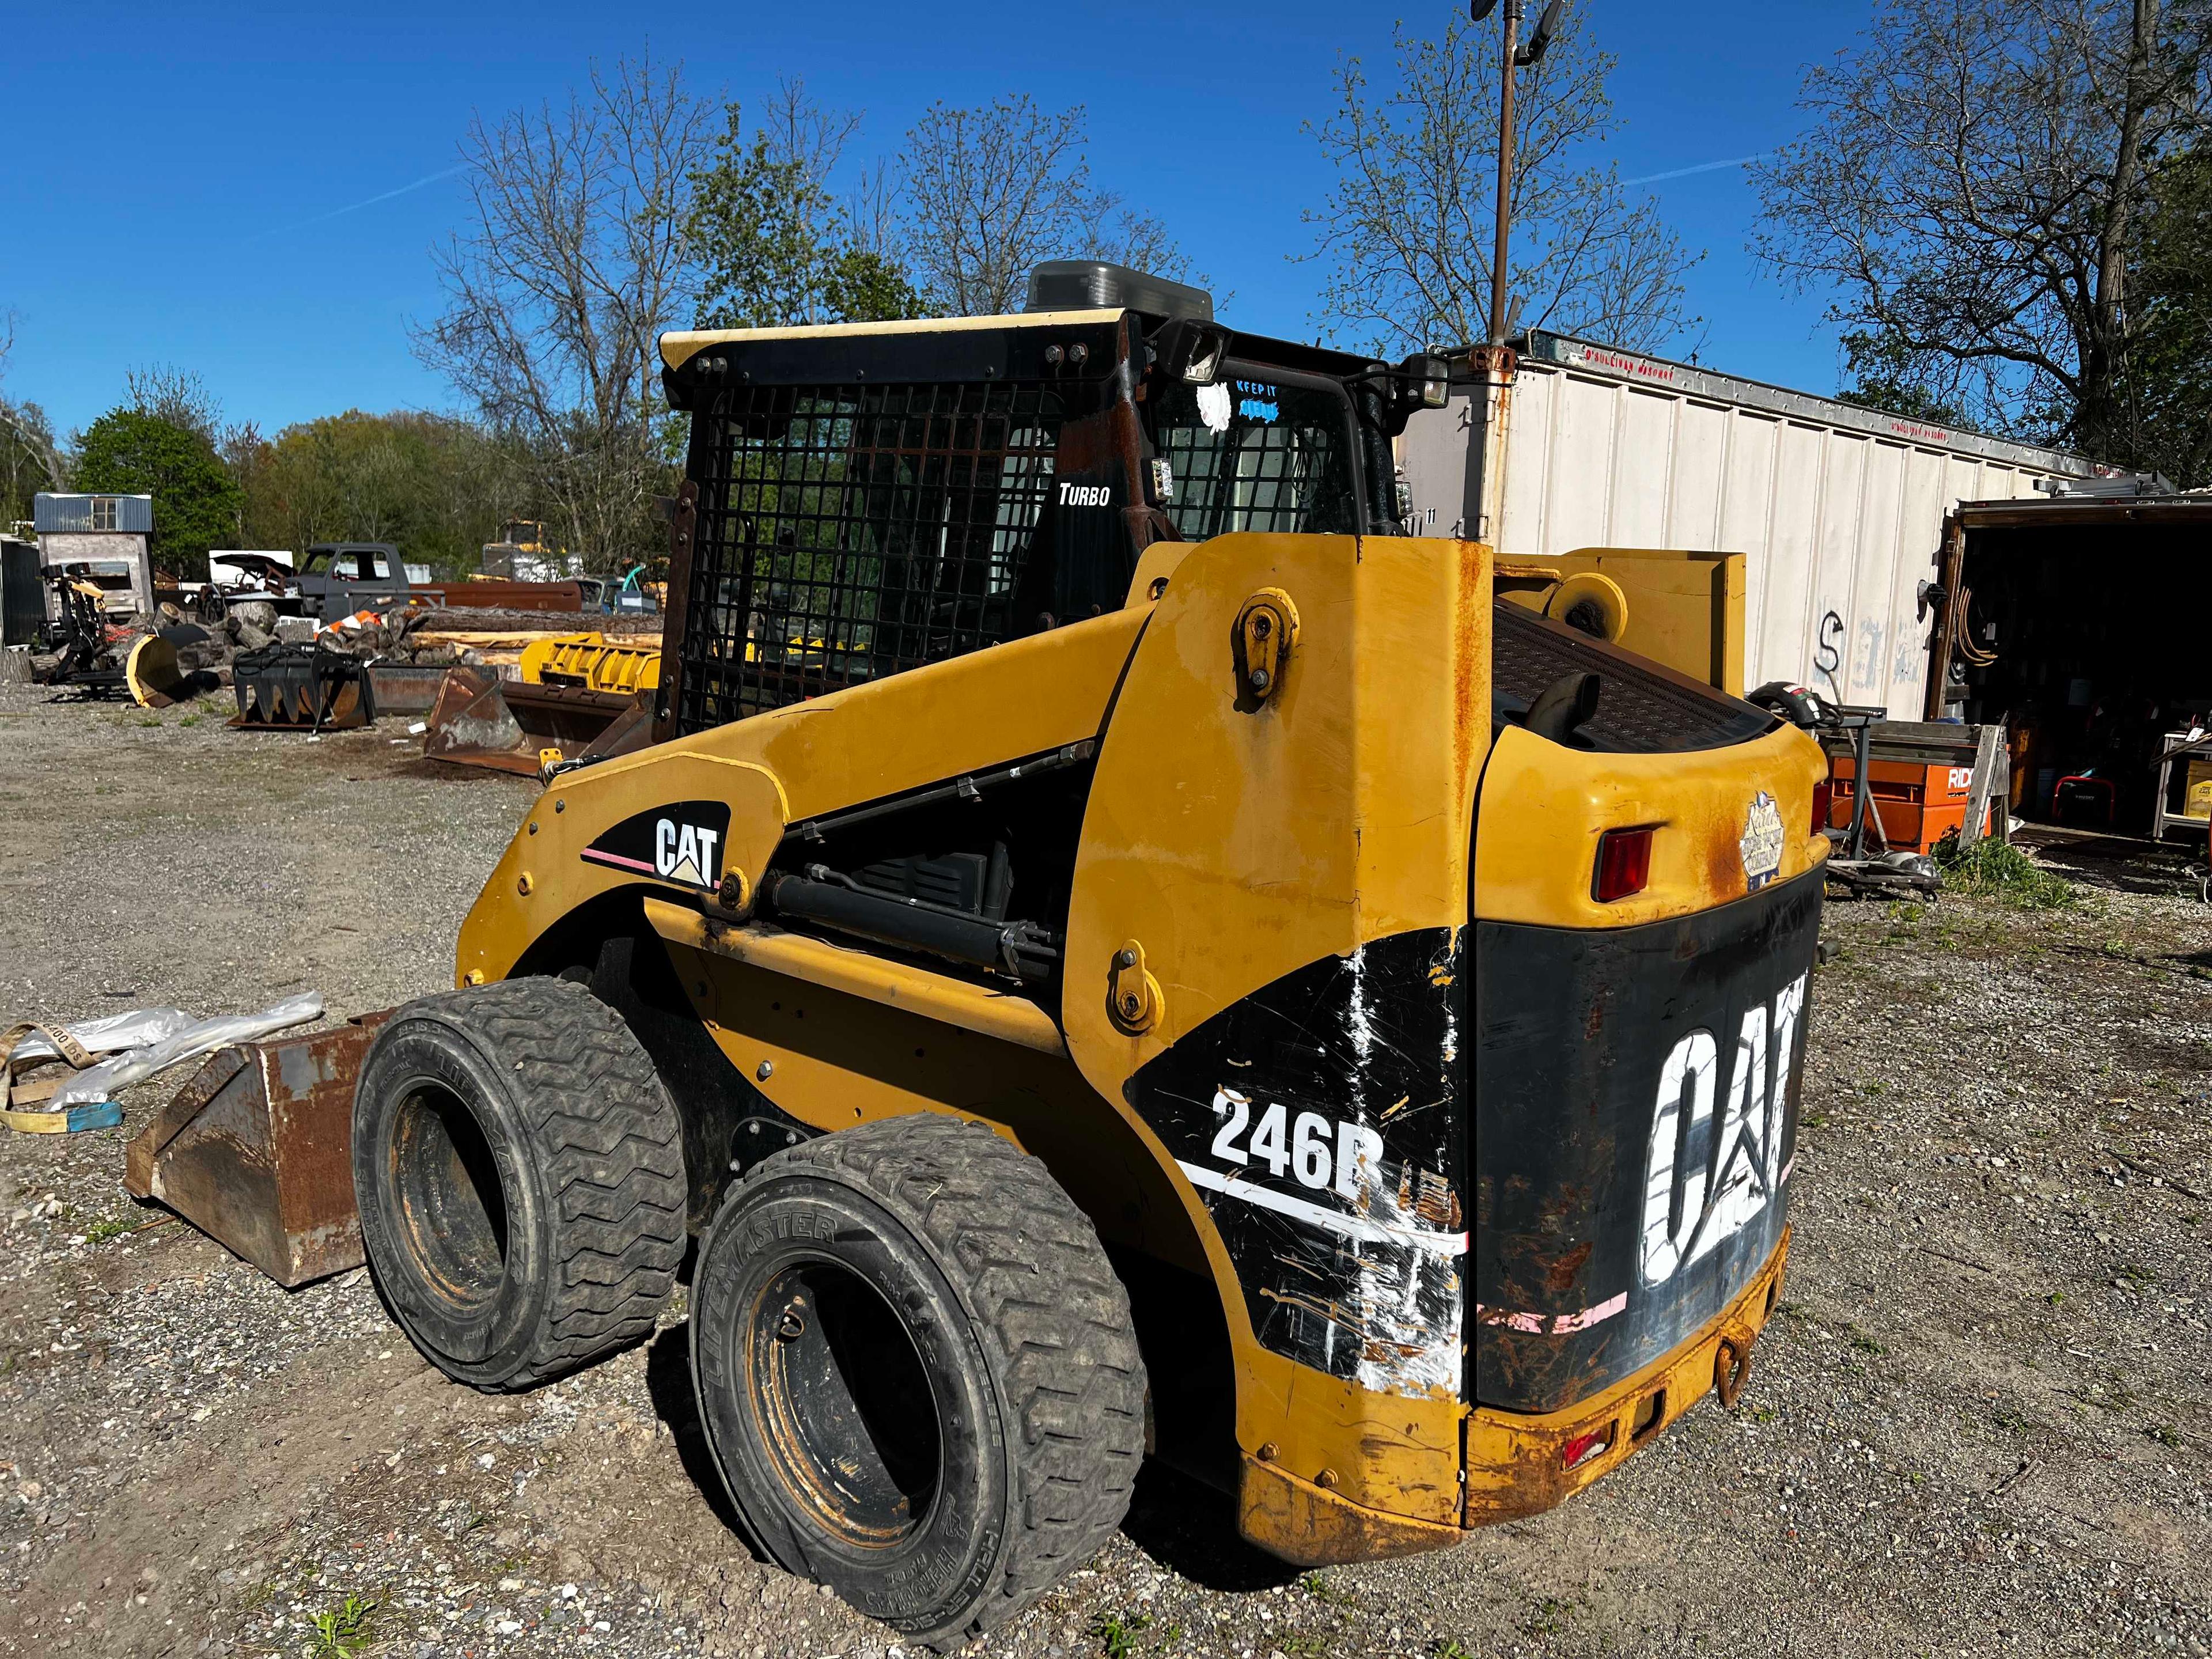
pixel 1623 864
pixel 1580 1449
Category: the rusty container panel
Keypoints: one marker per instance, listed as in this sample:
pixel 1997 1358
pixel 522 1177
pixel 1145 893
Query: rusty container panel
pixel 1636 1120
pixel 256 1151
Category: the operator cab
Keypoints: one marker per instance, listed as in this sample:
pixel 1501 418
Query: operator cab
pixel 868 497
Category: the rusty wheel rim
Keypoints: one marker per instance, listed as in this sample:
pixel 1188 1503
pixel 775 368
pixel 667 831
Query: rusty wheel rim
pixel 847 1415
pixel 451 1203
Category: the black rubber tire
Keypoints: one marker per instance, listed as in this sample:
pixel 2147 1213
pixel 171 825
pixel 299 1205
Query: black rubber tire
pixel 1012 1316
pixel 520 1171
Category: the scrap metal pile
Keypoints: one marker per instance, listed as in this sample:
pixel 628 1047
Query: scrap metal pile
pixel 511 692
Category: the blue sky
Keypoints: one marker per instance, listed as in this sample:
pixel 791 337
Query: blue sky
pixel 168 165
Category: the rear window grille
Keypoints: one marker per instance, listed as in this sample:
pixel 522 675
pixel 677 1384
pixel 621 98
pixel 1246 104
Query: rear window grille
pixel 848 533
pixel 1641 708
pixel 1247 455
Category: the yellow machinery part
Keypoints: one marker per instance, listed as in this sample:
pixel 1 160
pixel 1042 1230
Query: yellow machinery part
pixel 1546 806
pixel 592 661
pixel 1238 826
pixel 1683 609
pixel 1518 1462
pixel 872 740
pixel 152 673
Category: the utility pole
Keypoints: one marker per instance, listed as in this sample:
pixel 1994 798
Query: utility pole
pixel 1497 267
pixel 1513 56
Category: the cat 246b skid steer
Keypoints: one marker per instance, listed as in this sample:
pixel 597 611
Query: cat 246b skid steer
pixel 1115 951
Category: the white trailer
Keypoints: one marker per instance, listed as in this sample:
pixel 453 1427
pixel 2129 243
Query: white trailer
pixel 1839 511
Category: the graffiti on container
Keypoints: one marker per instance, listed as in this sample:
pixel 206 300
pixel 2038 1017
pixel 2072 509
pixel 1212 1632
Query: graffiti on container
pixel 1866 667
pixel 1828 657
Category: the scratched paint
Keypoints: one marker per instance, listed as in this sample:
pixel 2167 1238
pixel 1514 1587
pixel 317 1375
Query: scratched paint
pixel 1321 1121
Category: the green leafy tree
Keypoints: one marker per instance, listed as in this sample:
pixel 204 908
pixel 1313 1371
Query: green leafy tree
pixel 128 451
pixel 1972 192
pixel 2166 382
pixel 435 486
pixel 1881 367
pixel 775 248
pixel 867 287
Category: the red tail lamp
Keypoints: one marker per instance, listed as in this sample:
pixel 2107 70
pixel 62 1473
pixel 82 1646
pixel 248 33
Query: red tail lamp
pixel 1579 1450
pixel 1623 864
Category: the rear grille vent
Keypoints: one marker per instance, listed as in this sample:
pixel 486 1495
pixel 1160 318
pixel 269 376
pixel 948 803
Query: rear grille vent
pixel 1642 708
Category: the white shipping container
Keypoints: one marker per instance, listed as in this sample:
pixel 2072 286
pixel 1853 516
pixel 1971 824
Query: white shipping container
pixel 1839 510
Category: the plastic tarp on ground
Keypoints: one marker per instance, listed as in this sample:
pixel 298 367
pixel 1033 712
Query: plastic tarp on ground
pixel 165 1036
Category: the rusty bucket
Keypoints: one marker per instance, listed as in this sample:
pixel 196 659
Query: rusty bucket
pixel 256 1151
pixel 480 720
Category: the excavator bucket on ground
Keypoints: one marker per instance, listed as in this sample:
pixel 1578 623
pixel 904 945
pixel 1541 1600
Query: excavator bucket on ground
pixel 579 695
pixel 295 687
pixel 256 1151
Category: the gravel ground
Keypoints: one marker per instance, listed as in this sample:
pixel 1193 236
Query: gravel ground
pixel 1978 1426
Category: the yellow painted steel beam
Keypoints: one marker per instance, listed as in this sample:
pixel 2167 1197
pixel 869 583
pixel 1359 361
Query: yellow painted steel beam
pixel 862 974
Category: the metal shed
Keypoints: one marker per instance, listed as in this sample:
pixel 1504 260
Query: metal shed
pixel 92 514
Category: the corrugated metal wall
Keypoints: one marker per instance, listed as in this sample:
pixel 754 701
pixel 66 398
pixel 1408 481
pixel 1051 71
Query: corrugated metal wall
pixel 67 515
pixel 22 593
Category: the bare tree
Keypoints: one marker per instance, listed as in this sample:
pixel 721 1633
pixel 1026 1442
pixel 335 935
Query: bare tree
pixel 1971 188
pixel 992 192
pixel 178 397
pixel 30 460
pixel 573 260
pixel 1407 228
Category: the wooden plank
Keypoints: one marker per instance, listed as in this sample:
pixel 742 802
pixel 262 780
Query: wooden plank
pixel 1986 751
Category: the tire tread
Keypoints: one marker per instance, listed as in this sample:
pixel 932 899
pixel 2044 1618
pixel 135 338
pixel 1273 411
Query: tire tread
pixel 608 1138
pixel 1042 1293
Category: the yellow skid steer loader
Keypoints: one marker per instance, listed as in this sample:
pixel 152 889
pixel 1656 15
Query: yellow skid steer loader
pixel 1115 951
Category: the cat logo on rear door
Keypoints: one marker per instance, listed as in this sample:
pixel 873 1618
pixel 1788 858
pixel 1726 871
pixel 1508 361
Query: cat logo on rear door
pixel 681 844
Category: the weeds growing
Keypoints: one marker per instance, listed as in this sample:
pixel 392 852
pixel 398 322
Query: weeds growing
pixel 1998 869
pixel 345 1631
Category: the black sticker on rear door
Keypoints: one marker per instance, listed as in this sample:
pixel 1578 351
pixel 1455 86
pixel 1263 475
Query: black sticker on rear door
pixel 681 844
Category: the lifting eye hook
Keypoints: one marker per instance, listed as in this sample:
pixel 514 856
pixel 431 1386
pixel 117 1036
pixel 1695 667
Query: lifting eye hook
pixel 1260 646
